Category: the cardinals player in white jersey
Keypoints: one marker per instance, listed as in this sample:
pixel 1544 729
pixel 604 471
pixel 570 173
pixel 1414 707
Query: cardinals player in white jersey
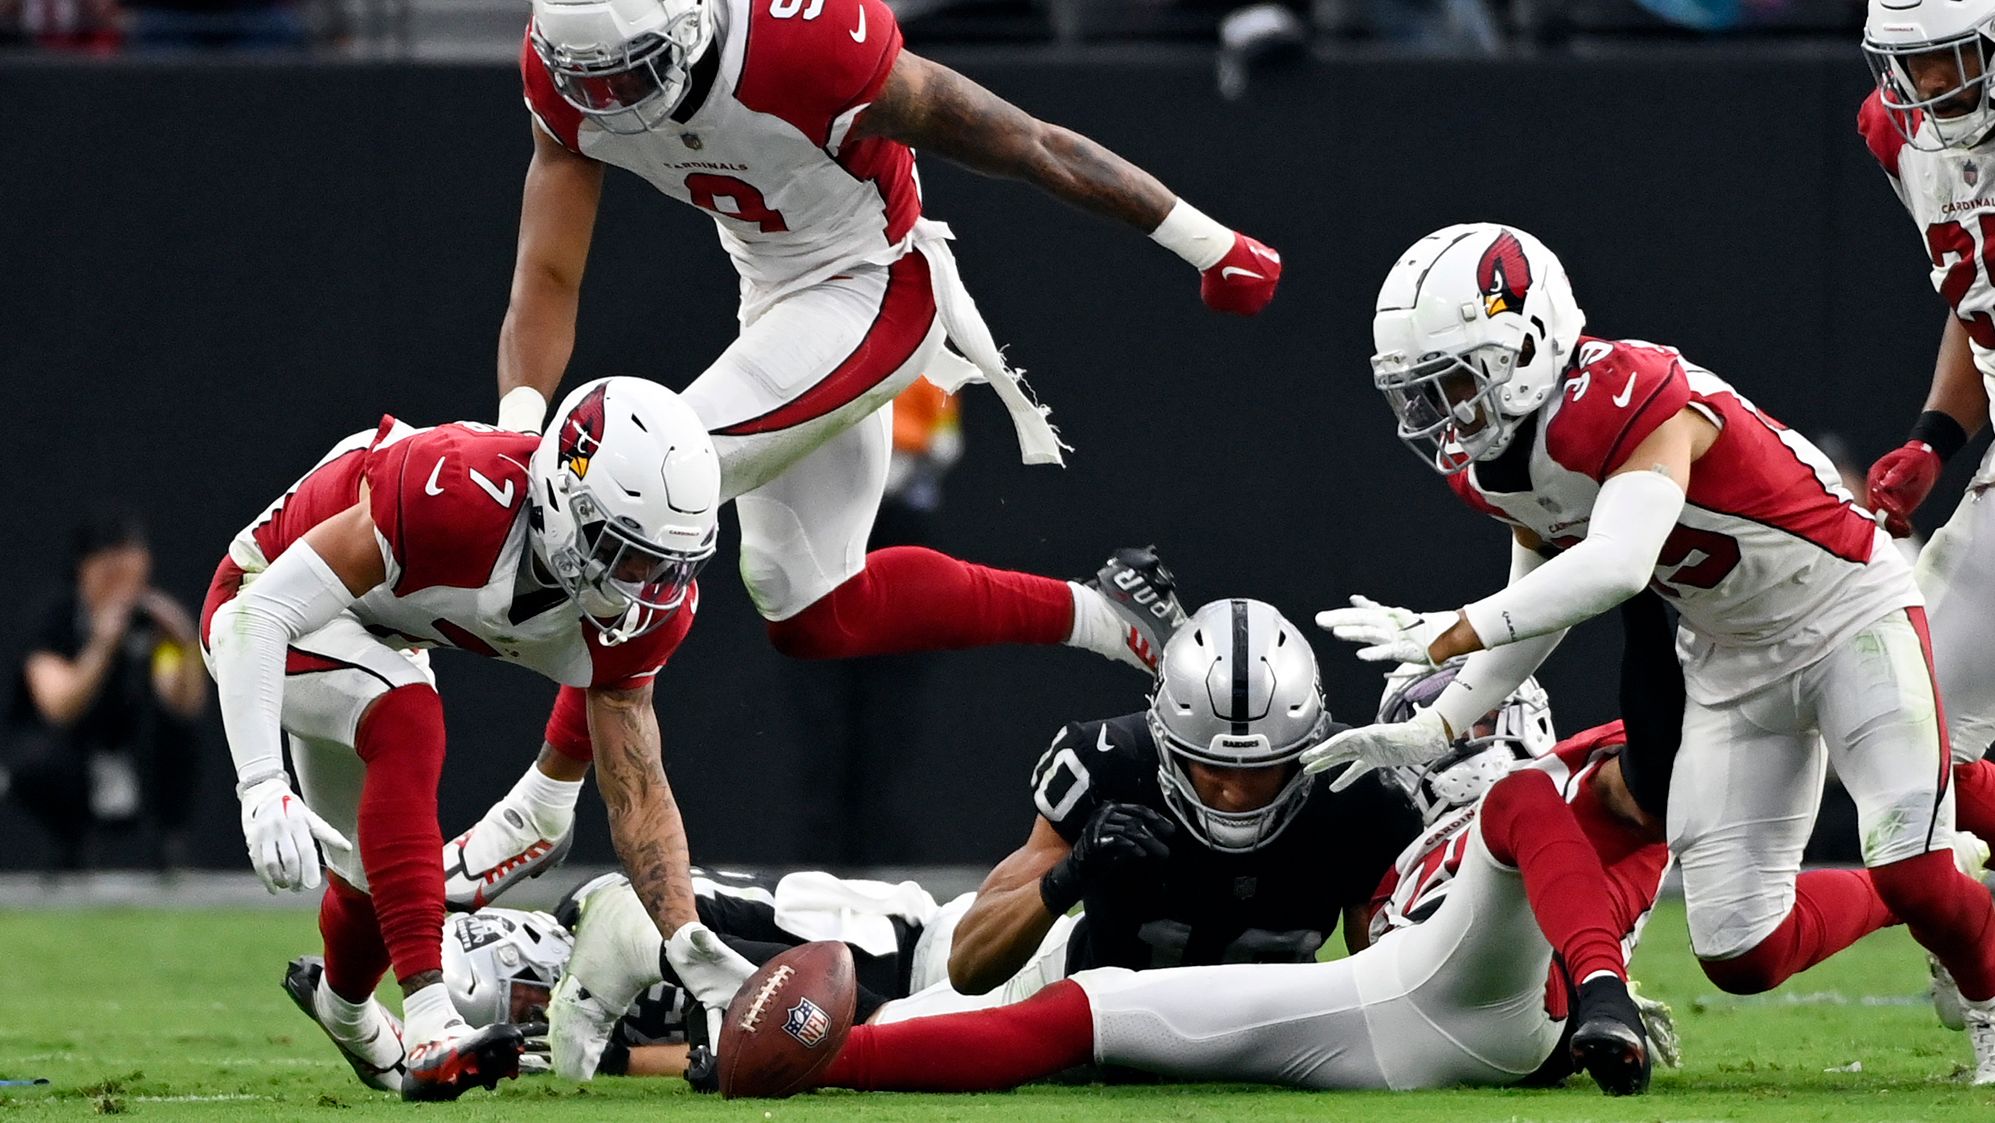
pixel 1459 987
pixel 793 123
pixel 1931 125
pixel 572 555
pixel 1626 464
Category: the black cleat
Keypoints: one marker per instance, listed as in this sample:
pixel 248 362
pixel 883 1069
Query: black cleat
pixel 379 1060
pixel 1610 1043
pixel 446 1069
pixel 1145 595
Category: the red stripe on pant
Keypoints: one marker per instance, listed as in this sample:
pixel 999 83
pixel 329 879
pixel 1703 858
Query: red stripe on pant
pixel 907 312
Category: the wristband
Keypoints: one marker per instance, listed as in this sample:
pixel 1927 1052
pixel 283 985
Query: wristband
pixel 275 772
pixel 522 410
pixel 1060 888
pixel 1940 432
pixel 1187 232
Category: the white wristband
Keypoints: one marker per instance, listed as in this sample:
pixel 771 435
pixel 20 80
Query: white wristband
pixel 1187 232
pixel 522 410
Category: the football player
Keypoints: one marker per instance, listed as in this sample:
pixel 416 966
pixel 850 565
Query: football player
pixel 1929 124
pixel 1188 830
pixel 1615 464
pixel 793 123
pixel 573 555
pixel 1461 986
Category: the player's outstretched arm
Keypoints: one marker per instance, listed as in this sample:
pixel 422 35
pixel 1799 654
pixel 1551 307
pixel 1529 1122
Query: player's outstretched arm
pixel 1003 927
pixel 928 106
pixel 1956 409
pixel 557 220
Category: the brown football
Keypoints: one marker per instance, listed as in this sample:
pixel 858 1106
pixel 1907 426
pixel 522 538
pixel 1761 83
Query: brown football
pixel 787 1022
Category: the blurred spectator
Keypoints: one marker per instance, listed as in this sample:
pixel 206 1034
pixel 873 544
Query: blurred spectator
pixel 90 26
pixel 868 720
pixel 250 25
pixel 100 733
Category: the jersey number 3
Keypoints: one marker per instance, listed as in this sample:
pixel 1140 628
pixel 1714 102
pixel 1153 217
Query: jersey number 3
pixel 1951 239
pixel 729 197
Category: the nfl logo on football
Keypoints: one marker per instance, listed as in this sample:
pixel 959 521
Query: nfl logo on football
pixel 807 1023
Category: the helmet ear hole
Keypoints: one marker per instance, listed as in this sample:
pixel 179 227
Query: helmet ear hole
pixel 1529 351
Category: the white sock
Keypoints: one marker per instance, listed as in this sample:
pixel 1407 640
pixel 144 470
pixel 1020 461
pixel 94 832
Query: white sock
pixel 337 1012
pixel 427 1014
pixel 551 802
pixel 1097 627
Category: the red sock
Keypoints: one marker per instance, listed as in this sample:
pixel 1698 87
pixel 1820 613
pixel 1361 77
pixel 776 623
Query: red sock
pixel 1832 910
pixel 912 599
pixel 401 740
pixel 976 1051
pixel 1974 798
pixel 1526 824
pixel 355 956
pixel 1949 913
pixel 567 730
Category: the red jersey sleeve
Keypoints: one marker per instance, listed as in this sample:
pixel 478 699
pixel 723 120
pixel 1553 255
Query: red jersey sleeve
pixel 550 110
pixel 822 61
pixel 628 666
pixel 445 500
pixel 1880 135
pixel 1621 393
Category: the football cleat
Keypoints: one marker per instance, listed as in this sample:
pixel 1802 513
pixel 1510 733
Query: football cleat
pixel 375 1050
pixel 1979 1018
pixel 1970 856
pixel 501 850
pixel 1610 1043
pixel 614 961
pixel 1145 595
pixel 452 1065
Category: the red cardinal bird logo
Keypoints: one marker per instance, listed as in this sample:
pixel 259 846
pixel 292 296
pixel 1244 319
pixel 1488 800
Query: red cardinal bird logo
pixel 582 433
pixel 1504 275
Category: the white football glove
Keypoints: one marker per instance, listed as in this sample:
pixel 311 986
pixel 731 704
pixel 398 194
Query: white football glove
pixel 1417 740
pixel 279 830
pixel 1393 635
pixel 710 970
pixel 1660 1024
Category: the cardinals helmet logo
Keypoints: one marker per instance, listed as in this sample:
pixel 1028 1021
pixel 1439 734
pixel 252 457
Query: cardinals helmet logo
pixel 581 433
pixel 1504 275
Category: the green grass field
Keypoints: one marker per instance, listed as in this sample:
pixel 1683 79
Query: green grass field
pixel 178 1015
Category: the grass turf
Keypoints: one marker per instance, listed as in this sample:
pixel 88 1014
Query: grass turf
pixel 176 1014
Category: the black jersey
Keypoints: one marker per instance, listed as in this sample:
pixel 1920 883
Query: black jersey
pixel 1272 905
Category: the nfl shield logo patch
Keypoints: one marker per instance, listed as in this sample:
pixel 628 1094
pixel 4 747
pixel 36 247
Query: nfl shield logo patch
pixel 1970 173
pixel 807 1023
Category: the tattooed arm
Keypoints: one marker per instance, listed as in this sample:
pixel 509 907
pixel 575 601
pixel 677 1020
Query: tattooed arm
pixel 644 820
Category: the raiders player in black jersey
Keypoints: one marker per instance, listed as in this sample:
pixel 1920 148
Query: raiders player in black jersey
pixel 1189 832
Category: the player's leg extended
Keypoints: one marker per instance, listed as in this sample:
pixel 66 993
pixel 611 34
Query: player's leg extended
pixel 1879 712
pixel 1742 803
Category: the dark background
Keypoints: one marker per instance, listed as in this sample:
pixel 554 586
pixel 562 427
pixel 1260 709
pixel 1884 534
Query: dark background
pixel 210 273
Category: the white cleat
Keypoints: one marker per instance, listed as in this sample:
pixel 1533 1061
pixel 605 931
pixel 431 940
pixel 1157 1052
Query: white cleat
pixel 501 850
pixel 615 960
pixel 374 1049
pixel 1980 1019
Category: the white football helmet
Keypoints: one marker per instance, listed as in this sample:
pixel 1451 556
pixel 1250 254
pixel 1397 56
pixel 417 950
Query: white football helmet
pixel 624 63
pixel 1958 36
pixel 1237 687
pixel 1518 731
pixel 1474 328
pixel 626 501
pixel 500 965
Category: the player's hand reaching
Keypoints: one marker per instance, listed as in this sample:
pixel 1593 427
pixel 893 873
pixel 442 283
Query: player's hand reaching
pixel 1243 282
pixel 1391 635
pixel 1900 481
pixel 1118 839
pixel 1417 740
pixel 280 830
pixel 709 970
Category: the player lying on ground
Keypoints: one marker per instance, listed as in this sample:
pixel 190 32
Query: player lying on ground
pixel 1618 464
pixel 1460 987
pixel 1187 830
pixel 573 555
pixel 1931 124
pixel 793 124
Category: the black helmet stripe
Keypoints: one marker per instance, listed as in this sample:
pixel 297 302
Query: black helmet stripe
pixel 1240 658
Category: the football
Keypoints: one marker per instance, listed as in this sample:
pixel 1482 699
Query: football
pixel 788 1021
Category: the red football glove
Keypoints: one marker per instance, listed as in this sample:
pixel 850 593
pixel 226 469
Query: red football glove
pixel 1900 481
pixel 1244 280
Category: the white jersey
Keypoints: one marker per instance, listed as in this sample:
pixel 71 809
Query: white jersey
pixel 761 141
pixel 1771 564
pixel 1951 196
pixel 449 507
